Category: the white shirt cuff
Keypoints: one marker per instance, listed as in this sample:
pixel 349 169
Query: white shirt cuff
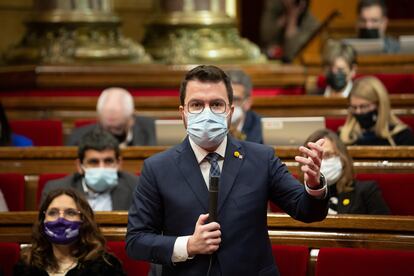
pixel 180 253
pixel 320 193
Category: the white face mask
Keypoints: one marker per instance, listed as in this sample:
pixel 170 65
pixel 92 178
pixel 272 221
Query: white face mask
pixel 331 168
pixel 237 114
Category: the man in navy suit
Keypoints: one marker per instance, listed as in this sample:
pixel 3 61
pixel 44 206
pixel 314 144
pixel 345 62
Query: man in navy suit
pixel 168 221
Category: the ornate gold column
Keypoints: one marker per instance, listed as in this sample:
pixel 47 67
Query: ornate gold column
pixel 70 31
pixel 197 31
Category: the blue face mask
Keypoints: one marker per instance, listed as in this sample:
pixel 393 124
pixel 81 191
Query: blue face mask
pixel 101 179
pixel 207 129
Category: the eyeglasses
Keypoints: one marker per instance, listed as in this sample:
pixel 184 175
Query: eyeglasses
pixel 69 213
pixel 197 106
pixel 362 107
pixel 95 162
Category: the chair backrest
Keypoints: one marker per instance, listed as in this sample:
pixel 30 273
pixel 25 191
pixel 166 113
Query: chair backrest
pixel 9 256
pixel 397 190
pixel 84 122
pixel 291 260
pixel 41 132
pixel 12 187
pixel 131 267
pixel 43 179
pixel 361 261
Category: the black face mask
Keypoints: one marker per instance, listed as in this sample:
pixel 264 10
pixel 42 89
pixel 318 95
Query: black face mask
pixel 336 80
pixel 121 138
pixel 367 120
pixel 368 33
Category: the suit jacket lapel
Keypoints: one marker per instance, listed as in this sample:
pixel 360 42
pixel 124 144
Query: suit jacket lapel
pixel 190 169
pixel 231 167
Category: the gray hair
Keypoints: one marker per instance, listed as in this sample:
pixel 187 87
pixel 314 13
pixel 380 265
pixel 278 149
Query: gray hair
pixel 113 92
pixel 239 77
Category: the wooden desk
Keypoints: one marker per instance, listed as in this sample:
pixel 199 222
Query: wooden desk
pixel 382 232
pixel 69 109
pixel 137 75
pixel 31 162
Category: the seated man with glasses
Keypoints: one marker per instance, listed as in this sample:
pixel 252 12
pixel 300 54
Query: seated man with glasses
pixel 245 123
pixel 99 177
pixel 370 120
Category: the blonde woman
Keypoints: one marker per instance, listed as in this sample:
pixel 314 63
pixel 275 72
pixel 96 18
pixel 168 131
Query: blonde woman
pixel 370 120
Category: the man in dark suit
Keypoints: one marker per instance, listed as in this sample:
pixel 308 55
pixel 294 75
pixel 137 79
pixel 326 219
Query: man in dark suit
pixel 115 109
pixel 245 123
pixel 99 175
pixel 168 221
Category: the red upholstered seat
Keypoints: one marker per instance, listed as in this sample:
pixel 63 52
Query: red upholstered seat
pixel 84 122
pixel 361 261
pixel 291 260
pixel 131 267
pixel 9 256
pixel 41 132
pixel 333 123
pixel 43 179
pixel 12 187
pixel 397 190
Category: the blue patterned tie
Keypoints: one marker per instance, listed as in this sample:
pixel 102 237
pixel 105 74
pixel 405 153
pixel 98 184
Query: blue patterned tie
pixel 213 157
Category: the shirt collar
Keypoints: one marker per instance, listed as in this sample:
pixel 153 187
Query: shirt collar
pixel 201 153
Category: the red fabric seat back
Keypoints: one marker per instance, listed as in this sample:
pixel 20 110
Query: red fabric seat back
pixel 397 190
pixel 9 256
pixel 333 123
pixel 361 261
pixel 131 267
pixel 41 132
pixel 291 260
pixel 84 122
pixel 43 179
pixel 12 187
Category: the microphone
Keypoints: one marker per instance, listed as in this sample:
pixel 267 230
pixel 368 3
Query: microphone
pixel 213 195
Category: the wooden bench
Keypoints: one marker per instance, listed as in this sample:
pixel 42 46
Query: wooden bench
pixel 31 162
pixel 345 231
pixel 70 109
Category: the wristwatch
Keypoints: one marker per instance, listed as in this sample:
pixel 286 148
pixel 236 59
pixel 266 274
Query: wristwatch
pixel 322 183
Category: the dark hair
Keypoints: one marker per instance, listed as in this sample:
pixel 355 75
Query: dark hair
pixel 345 183
pixel 206 73
pixel 239 77
pixel 5 130
pixel 369 3
pixel 89 246
pixel 99 140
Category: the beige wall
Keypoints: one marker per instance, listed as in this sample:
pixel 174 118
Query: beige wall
pixel 133 14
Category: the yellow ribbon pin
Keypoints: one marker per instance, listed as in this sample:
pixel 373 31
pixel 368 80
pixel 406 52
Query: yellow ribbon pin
pixel 346 201
pixel 237 155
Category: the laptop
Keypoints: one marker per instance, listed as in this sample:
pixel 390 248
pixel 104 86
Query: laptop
pixel 407 43
pixel 366 46
pixel 290 131
pixel 169 132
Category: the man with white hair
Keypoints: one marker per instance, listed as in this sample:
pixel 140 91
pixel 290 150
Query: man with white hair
pixel 115 110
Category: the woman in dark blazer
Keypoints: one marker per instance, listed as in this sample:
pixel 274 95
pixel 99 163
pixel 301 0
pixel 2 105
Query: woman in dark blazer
pixel 346 194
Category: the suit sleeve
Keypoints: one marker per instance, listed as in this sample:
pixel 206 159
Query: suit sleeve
pixel 144 238
pixel 290 195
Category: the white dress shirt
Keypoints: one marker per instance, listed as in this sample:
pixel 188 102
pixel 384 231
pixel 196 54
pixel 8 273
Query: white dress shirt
pixel 98 201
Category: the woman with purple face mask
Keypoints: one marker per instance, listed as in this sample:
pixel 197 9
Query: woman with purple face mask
pixel 66 240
